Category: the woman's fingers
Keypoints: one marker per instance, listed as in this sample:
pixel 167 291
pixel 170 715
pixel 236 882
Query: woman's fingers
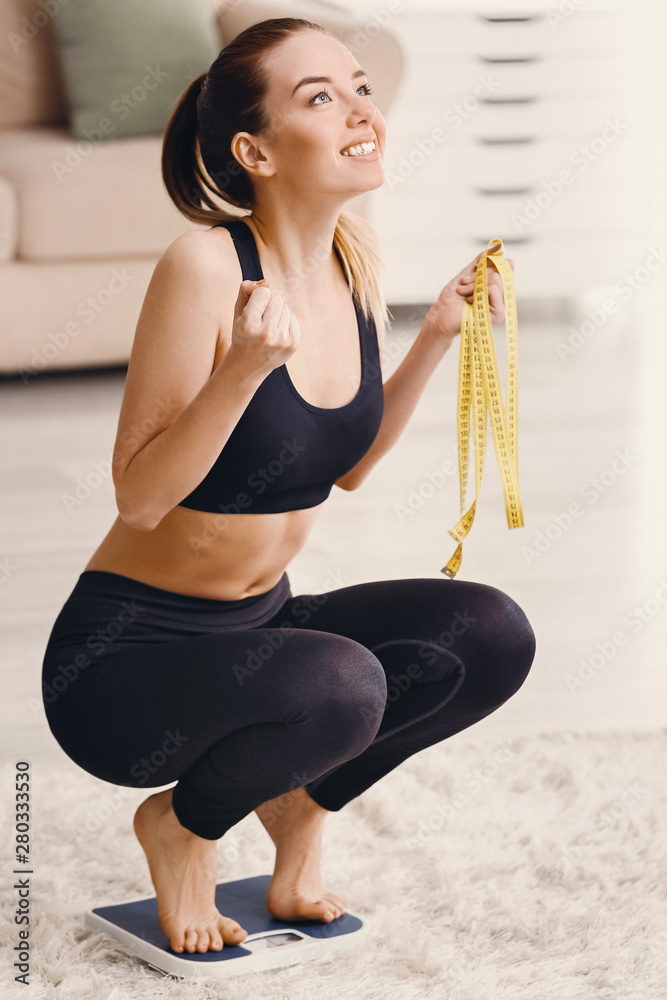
pixel 466 285
pixel 492 278
pixel 273 310
pixel 496 301
pixel 469 273
pixel 494 291
pixel 284 321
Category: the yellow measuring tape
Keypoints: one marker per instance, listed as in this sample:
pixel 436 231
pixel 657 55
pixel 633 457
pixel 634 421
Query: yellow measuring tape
pixel 480 390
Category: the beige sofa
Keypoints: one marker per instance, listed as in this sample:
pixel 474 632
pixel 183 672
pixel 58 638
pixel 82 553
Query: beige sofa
pixel 82 225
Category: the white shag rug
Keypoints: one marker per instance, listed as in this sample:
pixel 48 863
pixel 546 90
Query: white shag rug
pixel 488 869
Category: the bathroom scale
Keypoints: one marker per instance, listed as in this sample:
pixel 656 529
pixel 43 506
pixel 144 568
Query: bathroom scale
pixel 270 944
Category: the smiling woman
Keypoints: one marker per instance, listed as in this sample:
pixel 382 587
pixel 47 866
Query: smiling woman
pixel 251 82
pixel 223 459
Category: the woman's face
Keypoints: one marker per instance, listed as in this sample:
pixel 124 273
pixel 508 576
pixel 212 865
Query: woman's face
pixel 312 123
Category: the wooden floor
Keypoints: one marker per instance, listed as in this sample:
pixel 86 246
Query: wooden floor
pixel 594 587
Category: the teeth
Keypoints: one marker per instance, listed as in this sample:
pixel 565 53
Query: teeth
pixel 360 149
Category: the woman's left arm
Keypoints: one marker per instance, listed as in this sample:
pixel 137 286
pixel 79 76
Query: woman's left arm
pixel 402 391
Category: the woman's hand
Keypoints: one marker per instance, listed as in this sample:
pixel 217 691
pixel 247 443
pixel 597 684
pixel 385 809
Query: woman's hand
pixel 265 333
pixel 443 320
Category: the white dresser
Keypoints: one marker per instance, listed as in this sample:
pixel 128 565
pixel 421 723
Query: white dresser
pixel 524 124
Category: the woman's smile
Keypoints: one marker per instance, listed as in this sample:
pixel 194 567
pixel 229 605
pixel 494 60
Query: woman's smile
pixel 362 151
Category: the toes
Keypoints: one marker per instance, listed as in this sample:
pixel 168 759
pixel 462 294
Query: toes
pixel 232 932
pixel 335 904
pixel 190 940
pixel 213 939
pixel 176 938
pixel 203 941
pixel 330 911
pixel 301 906
pixel 216 941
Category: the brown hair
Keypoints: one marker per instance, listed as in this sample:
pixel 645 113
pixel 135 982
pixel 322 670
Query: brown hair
pixel 198 166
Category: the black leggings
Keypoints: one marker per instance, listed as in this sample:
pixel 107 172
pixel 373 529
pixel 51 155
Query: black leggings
pixel 242 701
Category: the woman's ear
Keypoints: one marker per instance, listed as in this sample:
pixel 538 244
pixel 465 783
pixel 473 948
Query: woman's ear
pixel 247 151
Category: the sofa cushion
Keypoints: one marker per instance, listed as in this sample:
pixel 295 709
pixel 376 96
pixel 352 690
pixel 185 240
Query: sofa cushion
pixel 32 91
pixel 126 62
pixel 78 199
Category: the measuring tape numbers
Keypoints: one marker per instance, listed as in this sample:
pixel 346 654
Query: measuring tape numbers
pixel 480 398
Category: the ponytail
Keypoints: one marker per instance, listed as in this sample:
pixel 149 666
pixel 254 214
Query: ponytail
pixel 183 173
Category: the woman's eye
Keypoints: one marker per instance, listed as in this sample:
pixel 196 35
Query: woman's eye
pixel 325 93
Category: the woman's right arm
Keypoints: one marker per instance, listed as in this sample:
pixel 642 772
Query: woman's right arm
pixel 177 413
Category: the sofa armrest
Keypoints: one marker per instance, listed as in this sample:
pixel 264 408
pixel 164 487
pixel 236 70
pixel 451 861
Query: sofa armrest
pixel 8 221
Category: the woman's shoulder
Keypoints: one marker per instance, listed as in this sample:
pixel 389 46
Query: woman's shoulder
pixel 203 250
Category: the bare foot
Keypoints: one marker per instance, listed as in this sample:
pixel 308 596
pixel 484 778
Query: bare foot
pixel 294 822
pixel 183 868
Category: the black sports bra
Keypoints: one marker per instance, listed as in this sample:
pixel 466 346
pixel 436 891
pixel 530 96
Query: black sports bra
pixel 284 453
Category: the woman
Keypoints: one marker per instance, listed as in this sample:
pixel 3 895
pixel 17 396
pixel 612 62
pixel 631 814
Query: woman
pixel 181 653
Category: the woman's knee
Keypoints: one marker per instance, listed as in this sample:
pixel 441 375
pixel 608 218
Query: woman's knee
pixel 505 640
pixel 352 691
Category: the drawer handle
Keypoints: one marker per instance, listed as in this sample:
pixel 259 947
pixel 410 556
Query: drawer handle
pixel 509 59
pixel 490 192
pixel 508 20
pixel 486 141
pixel 513 240
pixel 508 100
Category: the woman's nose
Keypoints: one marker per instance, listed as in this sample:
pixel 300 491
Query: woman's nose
pixel 363 114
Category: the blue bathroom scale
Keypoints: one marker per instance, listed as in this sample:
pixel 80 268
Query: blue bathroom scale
pixel 270 943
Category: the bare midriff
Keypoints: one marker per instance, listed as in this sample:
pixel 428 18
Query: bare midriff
pixel 221 556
